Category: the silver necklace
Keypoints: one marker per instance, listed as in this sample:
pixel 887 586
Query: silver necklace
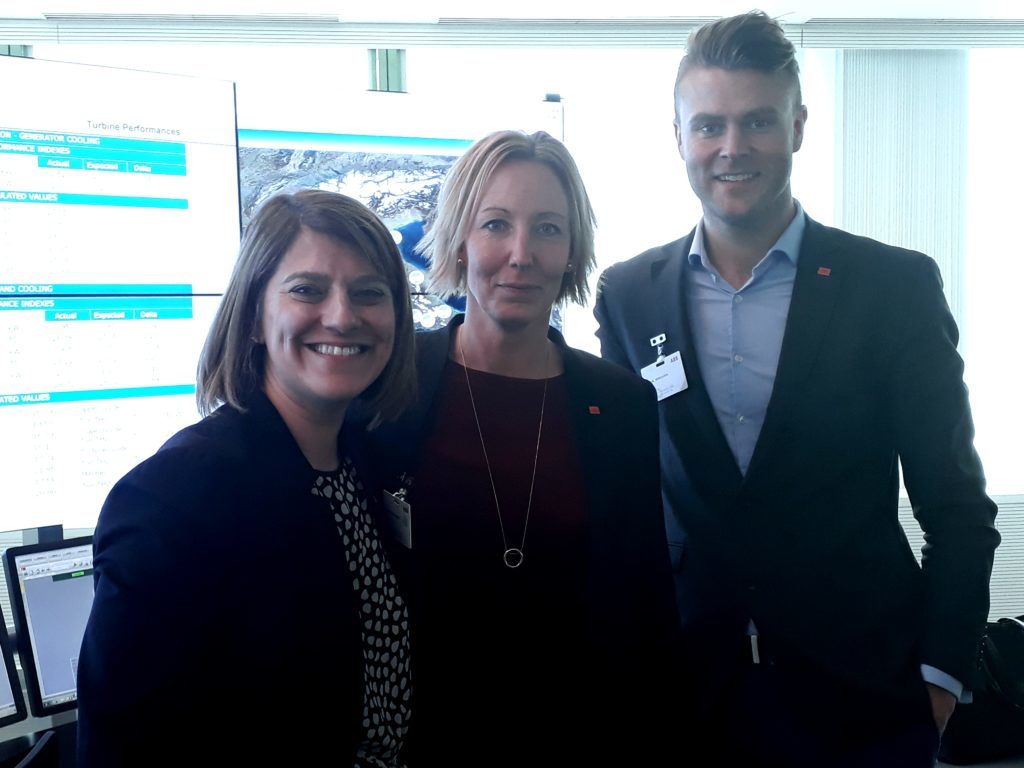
pixel 513 556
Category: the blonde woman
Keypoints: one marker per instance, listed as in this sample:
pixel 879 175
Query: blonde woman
pixel 542 608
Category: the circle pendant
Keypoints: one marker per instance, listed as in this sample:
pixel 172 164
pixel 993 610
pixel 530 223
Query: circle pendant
pixel 513 557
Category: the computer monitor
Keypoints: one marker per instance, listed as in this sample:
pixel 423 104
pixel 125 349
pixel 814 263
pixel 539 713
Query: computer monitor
pixel 12 704
pixel 51 595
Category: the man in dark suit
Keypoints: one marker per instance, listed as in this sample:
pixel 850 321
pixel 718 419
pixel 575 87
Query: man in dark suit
pixel 798 367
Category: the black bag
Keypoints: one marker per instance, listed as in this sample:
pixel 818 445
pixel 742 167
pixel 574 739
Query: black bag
pixel 992 726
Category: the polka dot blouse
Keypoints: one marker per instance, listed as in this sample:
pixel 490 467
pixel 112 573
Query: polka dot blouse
pixel 385 620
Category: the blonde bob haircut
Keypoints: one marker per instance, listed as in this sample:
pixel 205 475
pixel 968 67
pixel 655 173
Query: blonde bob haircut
pixel 457 203
pixel 231 367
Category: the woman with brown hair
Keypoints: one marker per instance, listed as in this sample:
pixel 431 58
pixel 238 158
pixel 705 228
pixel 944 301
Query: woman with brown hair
pixel 246 599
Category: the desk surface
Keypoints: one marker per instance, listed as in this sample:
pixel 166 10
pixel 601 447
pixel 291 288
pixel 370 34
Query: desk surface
pixel 18 738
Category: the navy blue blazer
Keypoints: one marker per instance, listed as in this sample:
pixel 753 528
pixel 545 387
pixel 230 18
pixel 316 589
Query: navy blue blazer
pixel 808 542
pixel 224 629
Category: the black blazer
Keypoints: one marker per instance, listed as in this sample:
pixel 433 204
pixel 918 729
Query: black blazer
pixel 808 543
pixel 224 629
pixel 632 621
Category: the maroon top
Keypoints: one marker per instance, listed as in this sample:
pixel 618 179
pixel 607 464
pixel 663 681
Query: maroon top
pixel 504 646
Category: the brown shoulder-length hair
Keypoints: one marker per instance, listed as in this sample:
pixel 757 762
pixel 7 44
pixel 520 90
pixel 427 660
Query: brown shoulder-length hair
pixel 231 366
pixel 460 196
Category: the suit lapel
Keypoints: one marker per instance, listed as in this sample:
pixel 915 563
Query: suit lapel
pixel 691 408
pixel 597 422
pixel 819 278
pixel 404 444
pixel 591 439
pixel 431 357
pixel 668 276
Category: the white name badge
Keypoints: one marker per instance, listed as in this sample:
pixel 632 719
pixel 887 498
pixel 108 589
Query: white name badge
pixel 399 518
pixel 667 375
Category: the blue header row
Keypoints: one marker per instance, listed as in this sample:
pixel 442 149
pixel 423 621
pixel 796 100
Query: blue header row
pixel 72 164
pixel 92 289
pixel 64 198
pixel 91 153
pixel 101 302
pixel 37 398
pixel 57 139
pixel 80 315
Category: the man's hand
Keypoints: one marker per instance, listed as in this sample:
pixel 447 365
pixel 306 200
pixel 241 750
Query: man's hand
pixel 943 704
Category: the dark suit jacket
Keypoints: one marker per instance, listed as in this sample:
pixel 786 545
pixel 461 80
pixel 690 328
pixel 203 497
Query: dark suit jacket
pixel 632 622
pixel 808 543
pixel 224 629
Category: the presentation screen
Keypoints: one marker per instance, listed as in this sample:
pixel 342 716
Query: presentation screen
pixel 51 595
pixel 119 226
pixel 397 177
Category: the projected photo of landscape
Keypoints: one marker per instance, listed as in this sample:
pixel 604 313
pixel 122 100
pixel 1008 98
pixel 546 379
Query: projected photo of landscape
pixel 396 177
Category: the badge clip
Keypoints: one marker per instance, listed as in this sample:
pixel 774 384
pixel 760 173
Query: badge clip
pixel 659 342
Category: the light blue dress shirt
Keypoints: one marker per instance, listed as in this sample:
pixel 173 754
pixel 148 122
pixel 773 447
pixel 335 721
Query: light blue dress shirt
pixel 737 335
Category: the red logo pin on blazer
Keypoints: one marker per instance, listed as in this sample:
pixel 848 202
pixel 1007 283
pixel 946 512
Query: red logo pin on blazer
pixel 594 410
pixel 824 271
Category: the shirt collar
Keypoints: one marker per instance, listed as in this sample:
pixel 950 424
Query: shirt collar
pixel 788 243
